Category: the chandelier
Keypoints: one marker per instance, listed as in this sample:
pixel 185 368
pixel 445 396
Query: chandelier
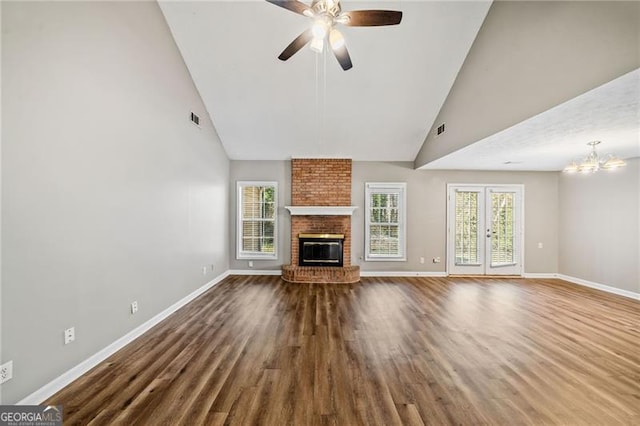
pixel 592 162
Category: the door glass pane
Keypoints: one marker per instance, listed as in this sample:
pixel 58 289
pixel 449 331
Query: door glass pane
pixel 503 222
pixel 466 228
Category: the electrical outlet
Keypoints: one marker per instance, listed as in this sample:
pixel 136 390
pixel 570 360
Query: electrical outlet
pixel 204 270
pixel 251 264
pixel 134 307
pixel 540 245
pixel 421 260
pixel 6 371
pixel 69 335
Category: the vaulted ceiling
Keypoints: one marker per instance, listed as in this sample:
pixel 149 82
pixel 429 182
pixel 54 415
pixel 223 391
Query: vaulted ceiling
pixel 609 113
pixel 264 108
pixel 405 80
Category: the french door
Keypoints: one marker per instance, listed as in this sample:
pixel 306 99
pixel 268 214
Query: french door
pixel 485 229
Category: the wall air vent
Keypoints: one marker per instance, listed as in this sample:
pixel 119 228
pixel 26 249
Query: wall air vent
pixel 195 119
pixel 441 129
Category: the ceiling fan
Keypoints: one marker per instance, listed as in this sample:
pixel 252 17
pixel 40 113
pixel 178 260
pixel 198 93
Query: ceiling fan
pixel 326 14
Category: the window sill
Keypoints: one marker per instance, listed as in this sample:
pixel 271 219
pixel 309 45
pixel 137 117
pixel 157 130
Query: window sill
pixel 385 259
pixel 256 257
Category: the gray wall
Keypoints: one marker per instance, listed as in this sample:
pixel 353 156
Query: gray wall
pixel 426 206
pixel 530 56
pixel 109 193
pixel 278 171
pixel 599 227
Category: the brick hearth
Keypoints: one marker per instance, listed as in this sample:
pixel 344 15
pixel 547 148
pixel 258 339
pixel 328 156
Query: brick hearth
pixel 321 274
pixel 321 182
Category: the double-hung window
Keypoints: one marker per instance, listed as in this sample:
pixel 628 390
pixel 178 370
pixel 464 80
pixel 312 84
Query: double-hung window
pixel 385 233
pixel 257 225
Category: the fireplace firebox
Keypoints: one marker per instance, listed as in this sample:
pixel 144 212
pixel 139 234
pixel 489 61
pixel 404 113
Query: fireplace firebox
pixel 320 249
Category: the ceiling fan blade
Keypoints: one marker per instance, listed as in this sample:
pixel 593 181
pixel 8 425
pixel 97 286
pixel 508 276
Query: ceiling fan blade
pixel 294 6
pixel 340 49
pixel 296 45
pixel 371 18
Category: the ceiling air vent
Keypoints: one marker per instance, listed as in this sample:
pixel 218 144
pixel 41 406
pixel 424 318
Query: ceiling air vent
pixel 195 119
pixel 441 129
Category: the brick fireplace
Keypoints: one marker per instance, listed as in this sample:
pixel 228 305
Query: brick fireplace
pixel 321 204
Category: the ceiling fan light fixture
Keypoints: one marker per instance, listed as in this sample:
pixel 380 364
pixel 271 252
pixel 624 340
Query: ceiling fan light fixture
pixel 320 29
pixel 342 19
pixel 330 7
pixel 326 15
pixel 317 45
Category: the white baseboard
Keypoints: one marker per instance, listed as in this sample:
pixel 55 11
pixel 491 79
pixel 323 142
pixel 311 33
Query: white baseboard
pixel 255 272
pixel 598 286
pixel 585 283
pixel 402 274
pixel 74 373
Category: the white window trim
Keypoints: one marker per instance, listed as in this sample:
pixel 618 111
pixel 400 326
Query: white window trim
pixel 401 188
pixel 255 255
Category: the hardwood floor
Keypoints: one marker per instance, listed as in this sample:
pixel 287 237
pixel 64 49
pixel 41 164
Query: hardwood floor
pixel 257 350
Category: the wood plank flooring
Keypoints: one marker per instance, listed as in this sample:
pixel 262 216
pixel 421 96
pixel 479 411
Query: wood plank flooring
pixel 385 351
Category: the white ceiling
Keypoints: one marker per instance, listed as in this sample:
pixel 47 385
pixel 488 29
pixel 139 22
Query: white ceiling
pixel 381 109
pixel 266 109
pixel 609 113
